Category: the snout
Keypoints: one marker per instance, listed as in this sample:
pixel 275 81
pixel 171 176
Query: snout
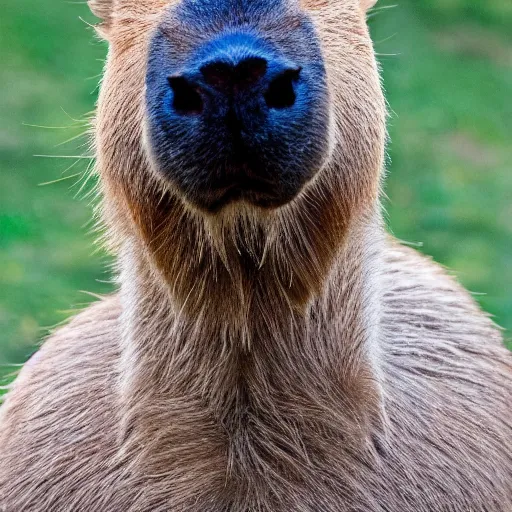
pixel 237 118
pixel 236 81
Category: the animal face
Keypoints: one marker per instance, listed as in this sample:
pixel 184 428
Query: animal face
pixel 237 101
pixel 238 139
pixel 241 101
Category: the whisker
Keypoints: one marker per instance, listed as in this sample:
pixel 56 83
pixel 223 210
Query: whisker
pixel 58 180
pixel 83 157
pixel 71 139
pixel 83 123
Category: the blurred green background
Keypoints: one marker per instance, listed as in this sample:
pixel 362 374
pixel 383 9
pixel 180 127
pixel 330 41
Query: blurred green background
pixel 448 74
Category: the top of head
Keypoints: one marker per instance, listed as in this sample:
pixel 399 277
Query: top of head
pixel 240 101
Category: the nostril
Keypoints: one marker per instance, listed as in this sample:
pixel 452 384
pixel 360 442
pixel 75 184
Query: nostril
pixel 217 74
pixel 281 93
pixel 224 76
pixel 251 70
pixel 187 99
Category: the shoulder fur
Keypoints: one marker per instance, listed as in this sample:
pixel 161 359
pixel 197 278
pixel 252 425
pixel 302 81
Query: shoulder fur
pixel 444 373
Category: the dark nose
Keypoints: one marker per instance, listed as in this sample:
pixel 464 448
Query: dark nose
pixel 235 74
pixel 227 77
pixel 238 114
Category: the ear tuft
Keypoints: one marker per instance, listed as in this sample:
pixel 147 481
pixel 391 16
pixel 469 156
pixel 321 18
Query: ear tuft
pixel 367 4
pixel 102 9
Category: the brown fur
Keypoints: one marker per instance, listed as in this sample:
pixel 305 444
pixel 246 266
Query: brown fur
pixel 298 359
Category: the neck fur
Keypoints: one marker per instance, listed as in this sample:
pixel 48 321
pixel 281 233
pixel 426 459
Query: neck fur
pixel 260 372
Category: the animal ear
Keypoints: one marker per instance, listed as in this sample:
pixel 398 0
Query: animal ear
pixel 102 9
pixel 367 4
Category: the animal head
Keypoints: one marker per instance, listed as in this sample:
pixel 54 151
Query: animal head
pixel 260 122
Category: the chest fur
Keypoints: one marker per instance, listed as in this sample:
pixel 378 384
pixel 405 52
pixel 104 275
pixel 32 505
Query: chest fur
pixel 270 442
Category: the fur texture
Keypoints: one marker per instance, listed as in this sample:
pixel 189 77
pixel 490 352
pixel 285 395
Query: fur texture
pixel 296 359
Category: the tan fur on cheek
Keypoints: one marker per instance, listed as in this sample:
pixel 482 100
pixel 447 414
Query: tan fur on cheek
pixel 320 4
pixel 314 4
pixel 367 4
pixel 122 19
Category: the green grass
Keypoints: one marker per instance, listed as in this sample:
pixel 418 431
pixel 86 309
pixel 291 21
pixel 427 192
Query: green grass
pixel 450 184
pixel 449 84
pixel 46 252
